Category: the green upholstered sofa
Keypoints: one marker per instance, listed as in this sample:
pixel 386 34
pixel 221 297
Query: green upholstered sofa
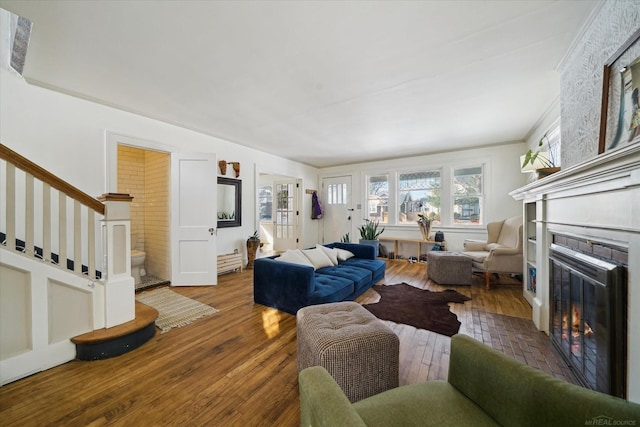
pixel 485 387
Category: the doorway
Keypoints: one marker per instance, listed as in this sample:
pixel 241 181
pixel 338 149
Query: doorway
pixel 279 212
pixel 338 209
pixel 178 238
pixel 145 175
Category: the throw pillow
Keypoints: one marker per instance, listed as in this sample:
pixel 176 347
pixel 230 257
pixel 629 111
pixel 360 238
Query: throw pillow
pixel 344 254
pixel 331 253
pixel 317 258
pixel 294 256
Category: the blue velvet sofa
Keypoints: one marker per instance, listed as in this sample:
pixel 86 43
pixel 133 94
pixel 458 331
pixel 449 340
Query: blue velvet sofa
pixel 289 287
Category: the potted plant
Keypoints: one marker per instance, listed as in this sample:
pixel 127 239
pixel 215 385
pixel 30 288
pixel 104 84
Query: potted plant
pixel 541 161
pixel 345 239
pixel 253 243
pixel 369 233
pixel 424 224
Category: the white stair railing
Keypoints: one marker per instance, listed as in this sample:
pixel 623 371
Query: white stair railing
pixel 45 302
pixel 74 219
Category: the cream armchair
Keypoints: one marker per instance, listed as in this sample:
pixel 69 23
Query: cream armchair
pixel 501 253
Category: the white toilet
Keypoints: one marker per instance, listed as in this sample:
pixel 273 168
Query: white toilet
pixel 137 263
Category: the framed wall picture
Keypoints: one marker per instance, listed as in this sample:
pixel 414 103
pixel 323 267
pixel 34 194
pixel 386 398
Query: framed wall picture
pixel 620 117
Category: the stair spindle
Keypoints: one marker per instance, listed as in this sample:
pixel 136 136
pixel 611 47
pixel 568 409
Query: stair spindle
pixel 91 237
pixel 62 230
pixel 77 236
pixel 29 243
pixel 11 207
pixel 46 221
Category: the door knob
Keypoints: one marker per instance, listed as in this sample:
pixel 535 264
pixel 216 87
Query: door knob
pixel 212 231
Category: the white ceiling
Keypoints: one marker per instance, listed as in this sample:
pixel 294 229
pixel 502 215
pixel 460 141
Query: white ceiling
pixel 320 82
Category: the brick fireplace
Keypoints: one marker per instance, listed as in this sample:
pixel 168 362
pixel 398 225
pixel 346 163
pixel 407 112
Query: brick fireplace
pixel 588 218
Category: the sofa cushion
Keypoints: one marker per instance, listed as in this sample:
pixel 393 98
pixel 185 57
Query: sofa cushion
pixel 512 392
pixel 294 256
pixel 329 252
pixel 343 254
pixel 358 250
pixel 317 257
pixel 376 266
pixel 433 403
pixel 477 256
pixel 361 277
pixel 330 289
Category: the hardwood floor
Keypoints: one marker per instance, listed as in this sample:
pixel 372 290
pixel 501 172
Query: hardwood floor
pixel 238 366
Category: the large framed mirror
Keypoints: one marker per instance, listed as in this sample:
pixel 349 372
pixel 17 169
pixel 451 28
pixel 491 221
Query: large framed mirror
pixel 229 202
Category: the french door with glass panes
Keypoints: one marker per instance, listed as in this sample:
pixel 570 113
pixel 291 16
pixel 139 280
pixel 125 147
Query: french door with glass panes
pixel 285 233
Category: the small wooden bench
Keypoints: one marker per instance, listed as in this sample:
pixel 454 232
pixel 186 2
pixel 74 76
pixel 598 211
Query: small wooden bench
pixel 419 242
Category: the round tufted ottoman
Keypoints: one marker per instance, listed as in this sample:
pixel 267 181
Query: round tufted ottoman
pixel 360 352
pixel 449 268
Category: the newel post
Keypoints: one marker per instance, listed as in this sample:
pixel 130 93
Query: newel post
pixel 119 304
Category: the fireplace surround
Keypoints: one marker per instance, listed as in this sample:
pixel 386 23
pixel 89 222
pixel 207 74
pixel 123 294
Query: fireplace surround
pixel 588 316
pixel 597 204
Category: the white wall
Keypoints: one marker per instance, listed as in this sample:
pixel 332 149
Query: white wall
pixel 502 175
pixel 549 122
pixel 67 136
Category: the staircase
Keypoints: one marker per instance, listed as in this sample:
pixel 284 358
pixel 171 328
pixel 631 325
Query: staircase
pixel 65 271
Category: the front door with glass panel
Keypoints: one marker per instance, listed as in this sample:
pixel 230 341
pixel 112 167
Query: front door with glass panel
pixel 338 210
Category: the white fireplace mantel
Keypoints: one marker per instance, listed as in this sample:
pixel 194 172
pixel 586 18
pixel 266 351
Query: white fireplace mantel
pixel 597 200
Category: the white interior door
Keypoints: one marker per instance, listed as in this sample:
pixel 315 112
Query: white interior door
pixel 337 209
pixel 286 213
pixel 194 186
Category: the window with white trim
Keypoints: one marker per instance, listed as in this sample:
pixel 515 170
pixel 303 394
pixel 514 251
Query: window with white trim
pixel 378 198
pixel 419 193
pixel 467 195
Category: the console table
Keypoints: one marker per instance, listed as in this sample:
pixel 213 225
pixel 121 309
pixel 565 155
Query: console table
pixel 419 242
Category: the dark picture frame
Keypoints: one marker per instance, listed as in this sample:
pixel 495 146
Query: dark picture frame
pixel 620 111
pixel 229 202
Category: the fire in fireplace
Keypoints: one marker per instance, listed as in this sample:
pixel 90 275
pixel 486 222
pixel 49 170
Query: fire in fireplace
pixel 588 317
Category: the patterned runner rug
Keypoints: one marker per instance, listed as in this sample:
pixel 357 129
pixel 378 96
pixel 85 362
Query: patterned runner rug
pixel 174 309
